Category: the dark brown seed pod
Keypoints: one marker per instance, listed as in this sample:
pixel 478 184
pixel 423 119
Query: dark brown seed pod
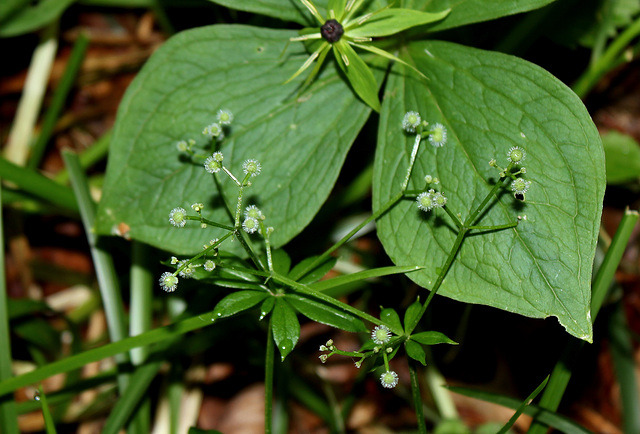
pixel 332 31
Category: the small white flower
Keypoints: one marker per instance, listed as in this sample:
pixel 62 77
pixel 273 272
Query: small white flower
pixel 425 200
pixel 381 334
pixel 213 130
pixel 520 186
pixel 411 121
pixel 212 165
pixel 224 116
pixel 168 281
pixel 251 167
pixel 209 265
pixel 438 136
pixel 187 271
pixel 516 155
pixel 389 379
pixel 253 212
pixel 250 225
pixel 178 217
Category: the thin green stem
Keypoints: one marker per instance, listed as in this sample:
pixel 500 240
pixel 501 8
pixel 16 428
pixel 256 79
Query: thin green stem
pixel 38 185
pixel 268 380
pixel 59 98
pixel 417 399
pixel 412 160
pixel 103 262
pixel 140 310
pixel 210 222
pixel 8 416
pixel 324 297
pixel 494 228
pixel 320 259
pixel 205 251
pixel 608 60
pixel 88 157
pixel 474 215
pixel 240 236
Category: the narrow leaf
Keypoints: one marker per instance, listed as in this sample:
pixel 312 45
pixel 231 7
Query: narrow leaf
pixel 415 351
pixel 237 302
pixel 394 20
pixel 358 74
pixel 362 275
pixel 324 313
pixel 285 326
pixel 432 338
pixel 411 315
pixel 312 275
pixel 390 317
pixel 552 419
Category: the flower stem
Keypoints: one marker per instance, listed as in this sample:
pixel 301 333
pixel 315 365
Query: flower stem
pixel 417 399
pixel 268 380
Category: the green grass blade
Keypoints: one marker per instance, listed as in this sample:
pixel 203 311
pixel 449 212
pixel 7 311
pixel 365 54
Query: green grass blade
pixel 524 405
pixel 8 415
pixel 550 418
pixel 46 413
pixel 59 98
pixel 88 157
pixel 562 371
pixel 103 263
pixel 109 350
pixel 38 185
pixel 621 347
pixel 138 386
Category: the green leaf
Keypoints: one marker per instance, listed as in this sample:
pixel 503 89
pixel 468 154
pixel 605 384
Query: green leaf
pixel 432 338
pixel 473 11
pixel 490 102
pixel 281 261
pixel 267 306
pixel 324 313
pixel 323 285
pixel 28 19
pixel 622 157
pixel 358 74
pixel 285 326
pixel 237 302
pixel 411 315
pixel 393 20
pixel 301 142
pixel 287 10
pixel 9 7
pixel 415 351
pixel 554 420
pixel 392 320
pixel 316 274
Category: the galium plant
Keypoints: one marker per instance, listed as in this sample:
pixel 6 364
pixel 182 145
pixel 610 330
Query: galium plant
pixel 209 119
pixel 441 121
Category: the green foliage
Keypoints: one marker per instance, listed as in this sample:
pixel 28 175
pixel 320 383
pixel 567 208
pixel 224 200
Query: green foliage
pixel 27 18
pixel 300 142
pixel 285 326
pixel 237 302
pixel 538 269
pixel 623 157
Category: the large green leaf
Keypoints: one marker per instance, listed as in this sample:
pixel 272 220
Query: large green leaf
pixel 462 11
pixel 30 18
pixel 490 102
pixel 301 142
pixel 473 11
